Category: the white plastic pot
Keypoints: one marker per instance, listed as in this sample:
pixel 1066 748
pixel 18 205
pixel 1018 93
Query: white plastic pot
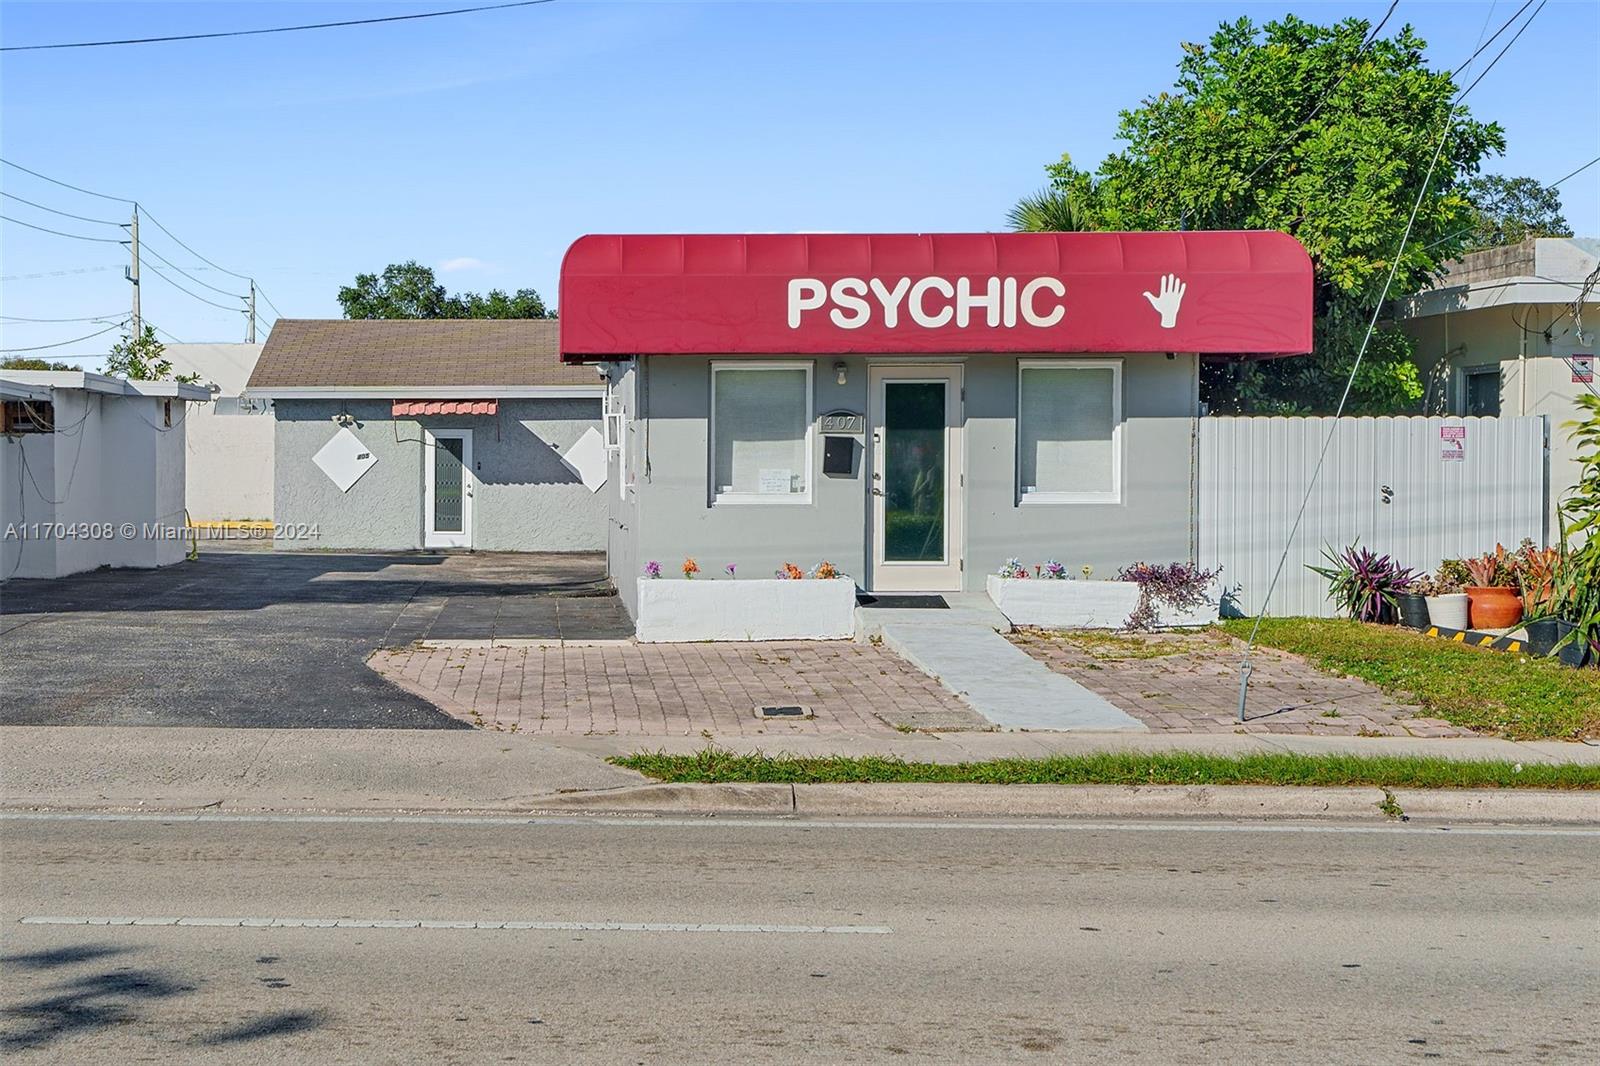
pixel 1448 611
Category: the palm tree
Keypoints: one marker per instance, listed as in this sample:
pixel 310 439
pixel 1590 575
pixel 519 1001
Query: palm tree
pixel 1050 210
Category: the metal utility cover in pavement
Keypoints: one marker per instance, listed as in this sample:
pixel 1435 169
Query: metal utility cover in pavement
pixel 783 710
pixel 344 459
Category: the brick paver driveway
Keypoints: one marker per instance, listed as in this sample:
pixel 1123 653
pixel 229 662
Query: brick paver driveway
pixel 263 638
pixel 1189 683
pixel 677 689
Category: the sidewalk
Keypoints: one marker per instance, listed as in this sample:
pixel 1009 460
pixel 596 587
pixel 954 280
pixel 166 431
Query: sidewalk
pixel 184 768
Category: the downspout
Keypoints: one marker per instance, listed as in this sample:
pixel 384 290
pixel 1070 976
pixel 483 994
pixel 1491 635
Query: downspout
pixel 1522 371
pixel 1194 460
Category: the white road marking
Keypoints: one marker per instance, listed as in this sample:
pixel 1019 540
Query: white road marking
pixel 646 821
pixel 428 923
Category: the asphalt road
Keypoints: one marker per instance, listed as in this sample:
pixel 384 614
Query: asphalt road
pixel 263 638
pixel 926 942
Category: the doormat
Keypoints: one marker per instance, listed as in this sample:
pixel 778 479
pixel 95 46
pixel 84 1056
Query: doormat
pixel 903 602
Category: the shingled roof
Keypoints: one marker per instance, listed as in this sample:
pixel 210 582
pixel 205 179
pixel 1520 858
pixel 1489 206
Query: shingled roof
pixel 415 354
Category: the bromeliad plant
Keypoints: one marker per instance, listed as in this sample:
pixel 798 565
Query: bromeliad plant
pixel 1577 580
pixel 1365 585
pixel 1180 586
pixel 1494 569
pixel 1536 570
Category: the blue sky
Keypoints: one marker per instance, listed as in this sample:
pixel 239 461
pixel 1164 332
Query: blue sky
pixel 484 144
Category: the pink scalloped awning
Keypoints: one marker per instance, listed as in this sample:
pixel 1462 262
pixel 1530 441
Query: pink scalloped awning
pixel 445 407
pixel 1243 293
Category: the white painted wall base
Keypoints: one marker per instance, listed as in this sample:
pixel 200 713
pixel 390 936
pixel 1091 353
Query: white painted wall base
pixel 1050 604
pixel 685 611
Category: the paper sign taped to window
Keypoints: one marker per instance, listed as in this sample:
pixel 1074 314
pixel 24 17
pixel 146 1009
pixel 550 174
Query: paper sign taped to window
pixel 772 481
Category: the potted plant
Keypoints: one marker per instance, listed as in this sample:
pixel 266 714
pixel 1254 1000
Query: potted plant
pixel 1576 582
pixel 1492 591
pixel 1448 605
pixel 1412 602
pixel 1363 584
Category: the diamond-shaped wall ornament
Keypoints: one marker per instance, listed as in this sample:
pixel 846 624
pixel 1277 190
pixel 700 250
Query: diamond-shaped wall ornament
pixel 344 459
pixel 587 459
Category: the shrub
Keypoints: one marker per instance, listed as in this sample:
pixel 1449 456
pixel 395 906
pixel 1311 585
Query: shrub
pixel 1365 585
pixel 1180 586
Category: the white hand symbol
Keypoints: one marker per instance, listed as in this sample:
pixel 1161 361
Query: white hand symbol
pixel 1172 291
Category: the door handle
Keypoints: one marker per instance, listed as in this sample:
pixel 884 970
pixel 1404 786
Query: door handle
pixel 876 491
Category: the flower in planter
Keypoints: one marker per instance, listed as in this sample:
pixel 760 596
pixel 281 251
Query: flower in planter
pixel 1014 569
pixel 790 572
pixel 1179 586
pixel 652 569
pixel 690 568
pixel 825 571
pixel 1054 571
pixel 730 569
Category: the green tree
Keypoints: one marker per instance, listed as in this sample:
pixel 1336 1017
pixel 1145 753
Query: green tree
pixel 1324 134
pixel 143 358
pixel 24 362
pixel 410 290
pixel 1510 210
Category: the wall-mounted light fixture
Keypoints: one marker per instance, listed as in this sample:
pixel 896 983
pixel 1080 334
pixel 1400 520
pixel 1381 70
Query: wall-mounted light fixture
pixel 841 372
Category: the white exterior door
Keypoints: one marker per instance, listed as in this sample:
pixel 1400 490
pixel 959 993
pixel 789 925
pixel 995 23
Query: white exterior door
pixel 917 478
pixel 448 485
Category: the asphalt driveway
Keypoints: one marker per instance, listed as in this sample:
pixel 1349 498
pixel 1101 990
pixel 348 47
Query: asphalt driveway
pixel 261 639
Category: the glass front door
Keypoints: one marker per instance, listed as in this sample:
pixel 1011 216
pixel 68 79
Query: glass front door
pixel 915 478
pixel 447 502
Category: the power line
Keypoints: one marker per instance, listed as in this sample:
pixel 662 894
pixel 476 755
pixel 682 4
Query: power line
pixel 144 247
pixel 53 211
pixel 191 251
pixel 65 185
pixel 62 344
pixel 1575 173
pixel 1482 44
pixel 63 233
pixel 61 273
pixel 1504 50
pixel 274 29
pixel 195 295
pixel 263 294
pixel 90 318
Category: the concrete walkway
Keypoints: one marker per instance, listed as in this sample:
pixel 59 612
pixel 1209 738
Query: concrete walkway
pixel 962 648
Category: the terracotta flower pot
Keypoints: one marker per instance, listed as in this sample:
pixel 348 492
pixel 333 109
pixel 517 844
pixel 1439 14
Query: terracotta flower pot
pixel 1494 607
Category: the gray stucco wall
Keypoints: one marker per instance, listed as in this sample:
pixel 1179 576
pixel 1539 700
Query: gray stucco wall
pixel 525 499
pixel 670 516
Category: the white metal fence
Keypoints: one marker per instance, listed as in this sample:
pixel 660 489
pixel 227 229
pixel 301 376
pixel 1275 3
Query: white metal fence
pixel 1398 485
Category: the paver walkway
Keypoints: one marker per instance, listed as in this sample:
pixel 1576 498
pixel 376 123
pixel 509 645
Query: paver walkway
pixel 1189 682
pixel 619 687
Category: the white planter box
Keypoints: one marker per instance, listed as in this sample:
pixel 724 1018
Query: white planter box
pixel 768 609
pixel 1052 604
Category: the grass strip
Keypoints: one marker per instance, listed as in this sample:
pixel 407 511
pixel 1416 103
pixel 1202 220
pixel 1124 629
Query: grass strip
pixel 1117 768
pixel 1517 696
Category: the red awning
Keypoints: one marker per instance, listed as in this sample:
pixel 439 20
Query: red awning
pixel 1214 292
pixel 445 407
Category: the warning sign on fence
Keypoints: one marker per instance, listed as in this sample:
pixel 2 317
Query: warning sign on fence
pixel 1453 443
pixel 1582 368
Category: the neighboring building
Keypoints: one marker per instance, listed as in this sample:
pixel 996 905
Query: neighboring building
pixel 1499 335
pixel 915 409
pixel 91 472
pixel 229 439
pixel 410 434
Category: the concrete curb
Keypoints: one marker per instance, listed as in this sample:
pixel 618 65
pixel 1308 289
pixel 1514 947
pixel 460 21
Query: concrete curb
pixel 1085 801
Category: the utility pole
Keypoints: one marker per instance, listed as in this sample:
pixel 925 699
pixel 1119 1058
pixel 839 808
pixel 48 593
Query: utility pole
pixel 133 271
pixel 250 331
